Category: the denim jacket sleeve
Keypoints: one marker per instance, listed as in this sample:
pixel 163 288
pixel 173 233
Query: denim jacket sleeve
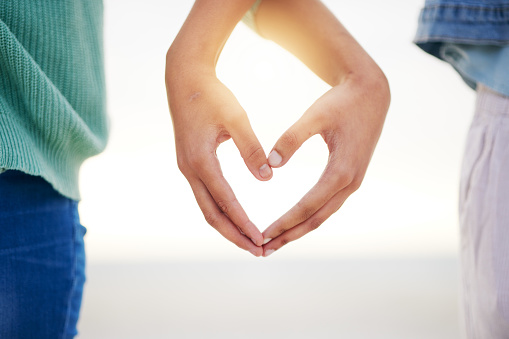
pixel 474 22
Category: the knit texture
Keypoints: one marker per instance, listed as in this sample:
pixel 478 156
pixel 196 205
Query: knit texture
pixel 52 89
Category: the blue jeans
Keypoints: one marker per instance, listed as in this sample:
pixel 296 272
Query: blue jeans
pixel 42 259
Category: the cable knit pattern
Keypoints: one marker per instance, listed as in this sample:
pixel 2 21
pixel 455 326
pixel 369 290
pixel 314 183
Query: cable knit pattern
pixel 52 89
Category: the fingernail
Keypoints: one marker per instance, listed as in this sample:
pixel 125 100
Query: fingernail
pixel 268 252
pixel 274 158
pixel 266 240
pixel 265 171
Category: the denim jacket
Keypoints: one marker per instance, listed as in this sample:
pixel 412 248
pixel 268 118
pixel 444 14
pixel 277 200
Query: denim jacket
pixel 477 22
pixel 471 35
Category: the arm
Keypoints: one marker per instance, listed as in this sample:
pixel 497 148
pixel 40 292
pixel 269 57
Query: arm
pixel 205 113
pixel 349 116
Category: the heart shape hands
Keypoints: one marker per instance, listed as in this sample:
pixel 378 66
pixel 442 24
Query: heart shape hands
pixel 349 117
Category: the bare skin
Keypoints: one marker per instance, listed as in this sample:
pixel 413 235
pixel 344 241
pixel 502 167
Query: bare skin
pixel 205 114
pixel 349 116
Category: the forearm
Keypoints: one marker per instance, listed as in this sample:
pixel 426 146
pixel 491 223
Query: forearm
pixel 307 29
pixel 204 33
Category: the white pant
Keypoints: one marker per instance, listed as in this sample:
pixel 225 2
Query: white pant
pixel 484 220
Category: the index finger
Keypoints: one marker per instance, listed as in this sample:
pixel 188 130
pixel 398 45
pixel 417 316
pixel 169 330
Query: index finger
pixel 220 221
pixel 212 177
pixel 330 183
pixel 309 225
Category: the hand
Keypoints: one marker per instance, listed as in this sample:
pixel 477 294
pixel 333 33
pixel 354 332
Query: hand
pixel 350 118
pixel 205 114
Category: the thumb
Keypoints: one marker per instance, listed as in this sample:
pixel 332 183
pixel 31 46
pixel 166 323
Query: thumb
pixel 250 149
pixel 290 142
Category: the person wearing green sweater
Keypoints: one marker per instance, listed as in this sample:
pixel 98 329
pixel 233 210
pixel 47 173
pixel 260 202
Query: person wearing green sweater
pixel 52 118
pixel 52 104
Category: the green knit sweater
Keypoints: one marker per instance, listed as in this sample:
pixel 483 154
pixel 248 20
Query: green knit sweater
pixel 52 90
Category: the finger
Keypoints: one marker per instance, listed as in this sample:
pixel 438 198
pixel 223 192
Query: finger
pixel 226 201
pixel 307 226
pixel 330 183
pixel 250 148
pixel 291 140
pixel 219 220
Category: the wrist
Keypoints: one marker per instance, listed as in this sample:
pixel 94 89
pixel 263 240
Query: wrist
pixel 183 70
pixel 182 59
pixel 369 81
pixel 364 77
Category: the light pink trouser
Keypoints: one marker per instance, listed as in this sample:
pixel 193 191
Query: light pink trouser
pixel 484 220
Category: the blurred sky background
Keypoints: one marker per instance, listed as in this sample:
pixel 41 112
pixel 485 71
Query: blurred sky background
pixel 143 221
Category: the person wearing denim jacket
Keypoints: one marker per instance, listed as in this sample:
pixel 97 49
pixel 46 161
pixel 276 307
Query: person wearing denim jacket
pixel 473 36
